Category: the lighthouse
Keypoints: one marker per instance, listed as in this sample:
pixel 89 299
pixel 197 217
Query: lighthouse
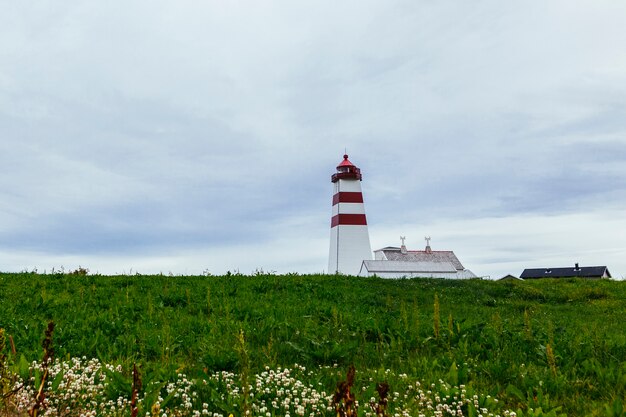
pixel 349 238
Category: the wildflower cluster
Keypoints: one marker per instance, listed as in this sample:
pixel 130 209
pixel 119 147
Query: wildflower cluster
pixel 174 398
pixel 87 388
pixel 279 392
pixel 442 399
pixel 75 385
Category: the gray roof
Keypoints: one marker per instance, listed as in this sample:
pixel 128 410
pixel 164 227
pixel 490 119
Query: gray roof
pixel 509 277
pixel 436 256
pixel 570 272
pixel 408 266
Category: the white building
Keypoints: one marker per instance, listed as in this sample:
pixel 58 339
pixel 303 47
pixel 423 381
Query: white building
pixel 393 262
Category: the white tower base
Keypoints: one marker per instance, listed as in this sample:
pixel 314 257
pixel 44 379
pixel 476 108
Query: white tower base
pixel 349 247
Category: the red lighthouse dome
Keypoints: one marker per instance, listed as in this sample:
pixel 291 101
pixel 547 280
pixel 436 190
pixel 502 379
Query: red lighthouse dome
pixel 346 170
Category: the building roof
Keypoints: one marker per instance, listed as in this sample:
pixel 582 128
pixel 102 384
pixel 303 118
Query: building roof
pixel 374 266
pixel 509 277
pixel 435 256
pixel 345 163
pixel 568 272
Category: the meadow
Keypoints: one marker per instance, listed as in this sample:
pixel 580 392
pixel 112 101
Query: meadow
pixel 275 345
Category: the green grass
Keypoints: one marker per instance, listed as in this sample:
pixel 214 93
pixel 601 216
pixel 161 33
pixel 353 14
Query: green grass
pixel 500 335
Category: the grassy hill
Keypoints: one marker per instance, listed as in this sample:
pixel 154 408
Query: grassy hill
pixel 540 344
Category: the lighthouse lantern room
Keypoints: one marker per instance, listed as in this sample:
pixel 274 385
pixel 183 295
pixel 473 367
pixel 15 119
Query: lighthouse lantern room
pixel 349 237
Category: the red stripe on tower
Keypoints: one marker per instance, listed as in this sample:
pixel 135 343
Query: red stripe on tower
pixel 347 197
pixel 348 220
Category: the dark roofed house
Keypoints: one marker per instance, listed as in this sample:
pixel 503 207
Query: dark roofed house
pixel 589 272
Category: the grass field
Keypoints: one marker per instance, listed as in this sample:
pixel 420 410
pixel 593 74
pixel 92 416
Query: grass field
pixel 554 346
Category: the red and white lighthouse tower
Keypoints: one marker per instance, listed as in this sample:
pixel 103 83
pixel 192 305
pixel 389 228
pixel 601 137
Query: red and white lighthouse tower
pixel 349 238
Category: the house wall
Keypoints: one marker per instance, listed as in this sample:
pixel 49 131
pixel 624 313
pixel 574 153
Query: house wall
pixel 380 255
pixel 466 274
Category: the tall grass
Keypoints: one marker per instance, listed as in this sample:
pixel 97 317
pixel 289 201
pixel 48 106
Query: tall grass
pixel 540 344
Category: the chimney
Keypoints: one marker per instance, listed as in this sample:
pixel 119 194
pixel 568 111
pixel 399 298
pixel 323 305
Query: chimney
pixel 577 268
pixel 428 249
pixel 403 246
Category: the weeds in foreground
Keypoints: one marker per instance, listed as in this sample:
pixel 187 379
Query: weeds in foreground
pixel 245 369
pixel 134 410
pixel 551 359
pixel 343 400
pixel 436 319
pixel 380 407
pixel 48 356
pixel 7 378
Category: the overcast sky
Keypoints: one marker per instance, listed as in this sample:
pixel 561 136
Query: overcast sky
pixel 191 136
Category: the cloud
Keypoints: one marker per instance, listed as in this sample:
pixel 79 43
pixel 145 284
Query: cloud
pixel 179 136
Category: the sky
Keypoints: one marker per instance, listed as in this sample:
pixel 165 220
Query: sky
pixel 196 137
